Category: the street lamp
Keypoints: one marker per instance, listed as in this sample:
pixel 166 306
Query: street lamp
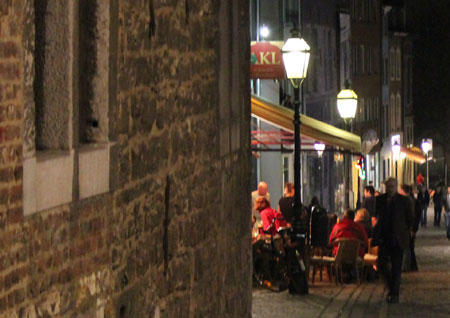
pixel 396 152
pixel 320 147
pixel 264 31
pixel 296 54
pixel 426 147
pixel 347 103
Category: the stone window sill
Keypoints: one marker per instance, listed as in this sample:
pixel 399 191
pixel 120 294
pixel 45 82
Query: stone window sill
pixel 49 176
pixel 93 169
pixel 48 180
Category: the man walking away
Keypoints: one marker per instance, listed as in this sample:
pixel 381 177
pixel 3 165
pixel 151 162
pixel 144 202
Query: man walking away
pixel 392 235
pixel 410 262
pixel 424 200
pixel 447 213
pixel 438 200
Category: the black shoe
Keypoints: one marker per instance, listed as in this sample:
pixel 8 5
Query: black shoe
pixel 392 299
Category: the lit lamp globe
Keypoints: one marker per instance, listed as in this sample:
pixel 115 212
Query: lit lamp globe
pixel 319 147
pixel 396 150
pixel 347 102
pixel 264 32
pixel 296 53
pixel 426 146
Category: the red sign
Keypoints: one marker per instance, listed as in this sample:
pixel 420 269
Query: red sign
pixel 266 61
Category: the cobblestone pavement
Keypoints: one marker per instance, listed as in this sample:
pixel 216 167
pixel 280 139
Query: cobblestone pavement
pixel 423 294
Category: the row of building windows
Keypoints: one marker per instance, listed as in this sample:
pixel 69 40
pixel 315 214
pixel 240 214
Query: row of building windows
pixel 365 60
pixel 395 112
pixel 395 64
pixel 364 11
pixel 320 77
pixel 369 109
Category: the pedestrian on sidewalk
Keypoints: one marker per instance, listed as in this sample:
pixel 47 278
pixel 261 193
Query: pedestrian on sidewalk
pixel 392 235
pixel 438 200
pixel 424 200
pixel 409 257
pixel 447 213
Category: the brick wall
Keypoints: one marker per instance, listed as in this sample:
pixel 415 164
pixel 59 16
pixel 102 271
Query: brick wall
pixel 172 238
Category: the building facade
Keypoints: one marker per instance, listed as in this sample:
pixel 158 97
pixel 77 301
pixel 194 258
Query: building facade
pixel 377 54
pixel 397 110
pixel 125 162
pixel 321 177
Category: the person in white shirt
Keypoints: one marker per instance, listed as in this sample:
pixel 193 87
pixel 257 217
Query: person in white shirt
pixel 262 191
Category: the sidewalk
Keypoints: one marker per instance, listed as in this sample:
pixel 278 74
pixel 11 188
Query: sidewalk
pixel 423 294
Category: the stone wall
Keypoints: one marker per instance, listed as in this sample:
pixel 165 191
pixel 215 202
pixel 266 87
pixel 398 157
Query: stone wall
pixel 171 238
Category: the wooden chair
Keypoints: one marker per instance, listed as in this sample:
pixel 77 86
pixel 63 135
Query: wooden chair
pixel 347 254
pixel 317 262
pixel 371 257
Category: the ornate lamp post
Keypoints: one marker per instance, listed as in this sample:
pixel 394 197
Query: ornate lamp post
pixel 320 147
pixel 426 147
pixel 264 31
pixel 396 152
pixel 347 103
pixel 296 54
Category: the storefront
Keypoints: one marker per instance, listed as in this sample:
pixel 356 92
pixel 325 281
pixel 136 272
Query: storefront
pixel 272 145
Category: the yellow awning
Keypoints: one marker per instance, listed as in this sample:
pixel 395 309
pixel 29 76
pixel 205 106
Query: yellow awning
pixel 282 117
pixel 415 154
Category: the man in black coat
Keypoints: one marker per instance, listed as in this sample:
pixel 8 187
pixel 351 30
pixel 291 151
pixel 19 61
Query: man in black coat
pixel 424 200
pixel 438 200
pixel 409 257
pixel 392 234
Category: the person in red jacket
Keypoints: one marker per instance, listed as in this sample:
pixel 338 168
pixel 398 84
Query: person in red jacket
pixel 271 219
pixel 347 228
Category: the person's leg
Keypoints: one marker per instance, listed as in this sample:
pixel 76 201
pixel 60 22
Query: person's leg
pixel 412 244
pixel 435 216
pixel 406 263
pixel 439 213
pixel 447 223
pixel 396 261
pixel 423 221
pixel 383 266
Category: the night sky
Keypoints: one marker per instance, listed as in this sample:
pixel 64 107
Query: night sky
pixel 429 23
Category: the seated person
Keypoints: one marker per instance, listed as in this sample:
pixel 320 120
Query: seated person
pixel 268 215
pixel 363 217
pixel 255 229
pixel 271 221
pixel 347 228
pixel 286 203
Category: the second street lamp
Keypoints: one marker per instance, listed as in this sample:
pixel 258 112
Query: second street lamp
pixel 347 103
pixel 296 54
pixel 320 147
pixel 426 147
pixel 396 152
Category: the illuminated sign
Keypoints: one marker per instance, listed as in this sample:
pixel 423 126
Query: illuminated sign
pixel 361 166
pixel 266 61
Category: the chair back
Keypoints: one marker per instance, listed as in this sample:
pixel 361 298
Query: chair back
pixel 348 249
pixel 372 249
